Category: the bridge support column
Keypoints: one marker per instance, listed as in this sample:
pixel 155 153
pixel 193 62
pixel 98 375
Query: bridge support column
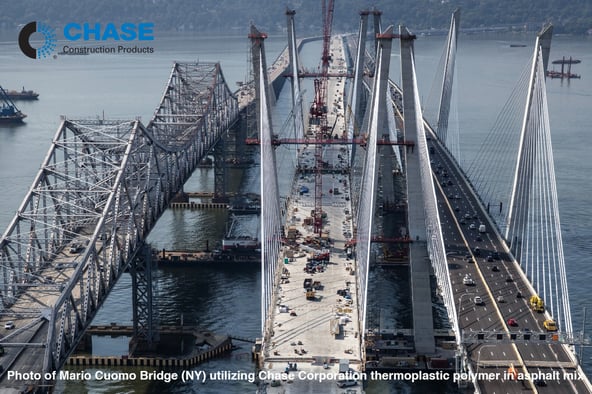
pixel 144 320
pixel 220 171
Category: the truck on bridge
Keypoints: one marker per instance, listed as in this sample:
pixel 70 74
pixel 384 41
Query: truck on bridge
pixel 537 303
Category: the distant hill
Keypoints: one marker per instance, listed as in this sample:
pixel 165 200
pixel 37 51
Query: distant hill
pixel 234 16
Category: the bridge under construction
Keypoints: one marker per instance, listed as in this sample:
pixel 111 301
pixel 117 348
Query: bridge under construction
pixel 500 278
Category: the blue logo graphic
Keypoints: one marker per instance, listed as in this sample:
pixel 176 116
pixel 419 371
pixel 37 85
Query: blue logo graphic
pixel 49 40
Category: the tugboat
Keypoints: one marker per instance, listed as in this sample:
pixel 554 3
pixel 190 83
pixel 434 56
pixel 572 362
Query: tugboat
pixel 9 113
pixel 563 60
pixel 22 95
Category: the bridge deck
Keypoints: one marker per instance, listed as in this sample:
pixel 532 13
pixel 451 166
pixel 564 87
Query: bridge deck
pixel 313 334
pixel 495 274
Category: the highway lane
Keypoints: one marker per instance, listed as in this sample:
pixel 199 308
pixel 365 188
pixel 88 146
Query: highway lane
pixel 31 310
pixel 494 274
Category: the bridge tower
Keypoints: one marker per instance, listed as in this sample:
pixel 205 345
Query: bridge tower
pixel 533 230
pixel 376 125
pixel 271 229
pixel 377 29
pixel 357 93
pixel 294 66
pixel 416 175
pixel 448 79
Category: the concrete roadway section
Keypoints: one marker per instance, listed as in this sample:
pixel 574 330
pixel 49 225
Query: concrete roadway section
pixel 313 332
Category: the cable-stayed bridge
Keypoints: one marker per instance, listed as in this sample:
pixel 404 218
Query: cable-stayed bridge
pixel 104 183
pixel 504 270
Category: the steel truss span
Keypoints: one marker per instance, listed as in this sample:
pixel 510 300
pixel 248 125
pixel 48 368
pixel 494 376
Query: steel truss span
pixel 100 190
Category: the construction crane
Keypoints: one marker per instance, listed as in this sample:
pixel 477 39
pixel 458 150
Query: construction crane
pixel 318 113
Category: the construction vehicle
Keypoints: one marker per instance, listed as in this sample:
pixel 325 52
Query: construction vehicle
pixel 537 303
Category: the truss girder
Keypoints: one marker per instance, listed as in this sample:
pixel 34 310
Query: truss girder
pixel 101 188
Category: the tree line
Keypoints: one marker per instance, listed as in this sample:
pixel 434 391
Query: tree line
pixel 235 16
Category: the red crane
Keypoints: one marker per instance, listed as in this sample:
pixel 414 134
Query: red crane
pixel 318 112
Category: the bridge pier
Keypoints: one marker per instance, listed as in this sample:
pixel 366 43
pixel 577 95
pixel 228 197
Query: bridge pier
pixel 220 171
pixel 85 344
pixel 145 335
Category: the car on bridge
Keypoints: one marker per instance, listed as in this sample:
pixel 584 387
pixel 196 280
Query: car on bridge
pixel 9 325
pixel 512 322
pixel 346 383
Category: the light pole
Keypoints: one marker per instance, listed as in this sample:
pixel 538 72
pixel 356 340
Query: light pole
pixel 460 301
pixel 479 355
pixel 459 357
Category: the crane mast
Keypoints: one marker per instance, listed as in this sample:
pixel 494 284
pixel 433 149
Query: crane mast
pixel 318 113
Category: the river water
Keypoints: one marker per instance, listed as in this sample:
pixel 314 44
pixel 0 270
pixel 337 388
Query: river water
pixel 226 299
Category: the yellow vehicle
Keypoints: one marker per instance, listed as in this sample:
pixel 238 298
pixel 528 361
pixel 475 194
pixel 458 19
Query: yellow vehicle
pixel 550 325
pixel 537 303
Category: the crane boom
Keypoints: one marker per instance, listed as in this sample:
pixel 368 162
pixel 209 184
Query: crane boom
pixel 318 113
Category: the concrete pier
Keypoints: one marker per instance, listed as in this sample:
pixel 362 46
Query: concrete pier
pixel 205 346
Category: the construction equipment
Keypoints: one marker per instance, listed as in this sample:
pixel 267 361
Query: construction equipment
pixel 318 112
pixel 537 303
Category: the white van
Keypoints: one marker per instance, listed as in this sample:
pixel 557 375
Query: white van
pixel 346 383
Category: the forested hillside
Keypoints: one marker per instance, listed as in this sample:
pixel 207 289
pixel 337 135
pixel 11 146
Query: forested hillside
pixel 234 16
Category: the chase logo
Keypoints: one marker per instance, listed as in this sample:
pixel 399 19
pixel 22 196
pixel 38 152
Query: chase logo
pixel 109 32
pixel 49 42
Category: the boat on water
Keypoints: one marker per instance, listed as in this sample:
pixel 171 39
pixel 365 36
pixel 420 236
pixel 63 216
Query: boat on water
pixel 564 73
pixel 567 61
pixel 22 95
pixel 559 74
pixel 9 113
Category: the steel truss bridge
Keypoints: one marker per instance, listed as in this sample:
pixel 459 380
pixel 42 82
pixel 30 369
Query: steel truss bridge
pixel 101 188
pixel 104 183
